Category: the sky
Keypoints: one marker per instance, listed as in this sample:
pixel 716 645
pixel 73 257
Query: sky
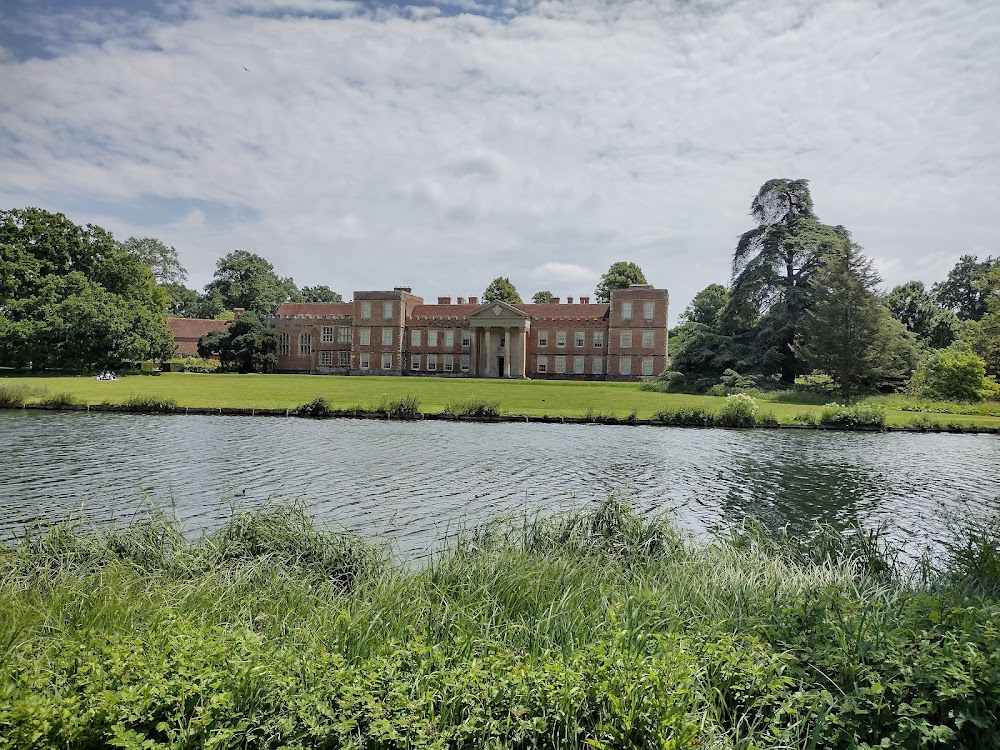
pixel 367 145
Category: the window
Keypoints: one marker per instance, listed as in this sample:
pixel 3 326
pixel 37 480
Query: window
pixel 326 359
pixel 598 339
pixel 543 338
pixel 626 339
pixel 449 339
pixel 647 339
pixel 432 362
pixel 543 364
pixel 327 335
pixel 560 339
pixel 647 365
pixel 579 338
pixel 626 311
pixel 432 339
pixel 366 337
pixel 345 359
pixel 305 344
pixel 415 337
pixel 365 360
pixel 648 308
pixel 386 337
pixel 366 310
pixel 387 311
pixel 285 346
pixel 344 335
pixel 466 339
pixel 597 368
pixel 578 365
pixel 466 362
pixel 560 365
pixel 386 361
pixel 625 366
pixel 414 361
pixel 449 362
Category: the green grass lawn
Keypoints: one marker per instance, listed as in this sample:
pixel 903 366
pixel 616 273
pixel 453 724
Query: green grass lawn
pixel 528 397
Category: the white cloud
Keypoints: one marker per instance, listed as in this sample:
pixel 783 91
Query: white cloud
pixel 564 273
pixel 368 149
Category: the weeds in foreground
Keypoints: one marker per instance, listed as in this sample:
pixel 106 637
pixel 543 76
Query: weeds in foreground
pixel 602 629
pixel 16 395
pixel 60 399
pixel 149 404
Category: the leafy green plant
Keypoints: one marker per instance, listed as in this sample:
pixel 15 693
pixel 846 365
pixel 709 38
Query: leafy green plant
pixel 149 404
pixel 13 395
pixel 740 410
pixel 318 408
pixel 60 399
pixel 479 408
pixel 693 417
pixel 406 407
pixel 867 415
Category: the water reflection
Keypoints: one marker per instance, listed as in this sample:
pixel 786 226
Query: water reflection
pixel 415 482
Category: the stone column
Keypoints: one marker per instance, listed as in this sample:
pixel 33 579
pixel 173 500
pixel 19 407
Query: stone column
pixel 489 356
pixel 523 348
pixel 474 352
pixel 508 350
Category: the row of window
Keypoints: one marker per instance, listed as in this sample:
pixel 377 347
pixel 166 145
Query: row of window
pixel 596 365
pixel 387 310
pixel 648 310
pixel 580 339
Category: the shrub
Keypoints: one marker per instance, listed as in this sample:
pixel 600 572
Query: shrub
pixel 686 417
pixel 805 417
pixel 407 407
pixel 955 374
pixel 13 395
pixel 859 415
pixel 473 408
pixel 318 408
pixel 149 404
pixel 191 364
pixel 61 399
pixel 740 410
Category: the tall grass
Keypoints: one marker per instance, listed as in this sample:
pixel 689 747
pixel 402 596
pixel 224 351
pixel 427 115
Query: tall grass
pixel 600 628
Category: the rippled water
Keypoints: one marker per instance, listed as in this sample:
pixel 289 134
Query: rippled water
pixel 416 482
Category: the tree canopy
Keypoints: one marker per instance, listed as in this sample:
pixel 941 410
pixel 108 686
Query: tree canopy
pixel 247 346
pixel 161 259
pixel 620 275
pixel 500 289
pixel 847 333
pixel 319 294
pixel 541 298
pixel 244 279
pixel 968 288
pixel 772 267
pixel 72 297
pixel 916 308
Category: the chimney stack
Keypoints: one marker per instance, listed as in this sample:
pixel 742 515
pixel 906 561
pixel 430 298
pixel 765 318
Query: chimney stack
pixel 461 300
pixel 554 301
pixel 584 300
pixel 473 300
pixel 569 300
pixel 444 300
pixel 237 312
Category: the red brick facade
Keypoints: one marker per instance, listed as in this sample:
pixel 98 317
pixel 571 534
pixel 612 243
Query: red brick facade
pixel 393 333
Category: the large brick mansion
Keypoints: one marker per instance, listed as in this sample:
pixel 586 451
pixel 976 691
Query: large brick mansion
pixel 394 332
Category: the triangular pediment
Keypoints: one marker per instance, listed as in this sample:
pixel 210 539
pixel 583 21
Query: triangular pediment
pixel 493 311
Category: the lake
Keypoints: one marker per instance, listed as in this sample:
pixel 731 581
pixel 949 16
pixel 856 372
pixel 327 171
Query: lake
pixel 415 483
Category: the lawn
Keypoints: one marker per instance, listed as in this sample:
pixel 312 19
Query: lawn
pixel 529 397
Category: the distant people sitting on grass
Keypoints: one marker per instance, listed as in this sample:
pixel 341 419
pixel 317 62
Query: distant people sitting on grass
pixel 107 375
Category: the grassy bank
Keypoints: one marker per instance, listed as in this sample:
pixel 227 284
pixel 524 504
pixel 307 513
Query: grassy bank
pixel 600 629
pixel 434 395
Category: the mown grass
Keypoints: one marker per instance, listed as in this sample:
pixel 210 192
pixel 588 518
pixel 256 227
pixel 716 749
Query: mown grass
pixel 600 629
pixel 589 400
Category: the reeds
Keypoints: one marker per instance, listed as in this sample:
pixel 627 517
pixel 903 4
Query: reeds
pixel 600 628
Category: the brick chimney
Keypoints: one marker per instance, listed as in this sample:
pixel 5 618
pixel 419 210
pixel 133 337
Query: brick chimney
pixel 553 300
pixel 473 300
pixel 584 300
pixel 444 300
pixel 569 300
pixel 461 300
pixel 237 312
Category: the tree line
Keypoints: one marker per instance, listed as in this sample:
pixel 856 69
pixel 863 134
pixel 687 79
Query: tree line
pixel 803 301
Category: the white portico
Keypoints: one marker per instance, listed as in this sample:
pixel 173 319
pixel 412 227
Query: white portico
pixel 499 341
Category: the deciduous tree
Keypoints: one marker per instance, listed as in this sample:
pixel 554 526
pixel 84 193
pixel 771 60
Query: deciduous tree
pixel 620 275
pixel 244 279
pixel 968 287
pixel 319 294
pixel 247 346
pixel 161 259
pixel 500 289
pixel 913 306
pixel 541 298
